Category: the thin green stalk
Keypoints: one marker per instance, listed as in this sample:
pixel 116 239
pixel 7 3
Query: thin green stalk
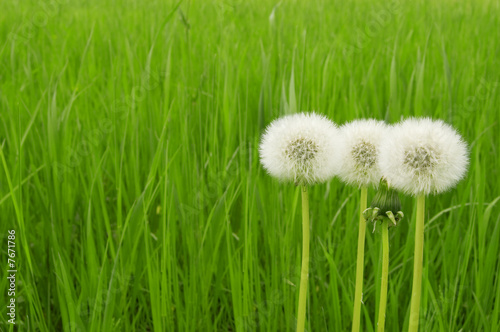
pixel 358 293
pixel 385 277
pixel 417 265
pixel 304 272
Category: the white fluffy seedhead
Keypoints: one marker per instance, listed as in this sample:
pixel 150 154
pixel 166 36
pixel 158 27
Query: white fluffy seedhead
pixel 423 156
pixel 361 141
pixel 301 148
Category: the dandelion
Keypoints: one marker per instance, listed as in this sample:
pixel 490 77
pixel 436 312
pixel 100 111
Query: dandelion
pixel 302 148
pixel 361 144
pixel 422 157
pixel 386 209
pixel 361 141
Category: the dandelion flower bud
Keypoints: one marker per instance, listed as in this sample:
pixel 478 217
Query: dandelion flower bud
pixel 385 204
pixel 423 156
pixel 361 141
pixel 300 148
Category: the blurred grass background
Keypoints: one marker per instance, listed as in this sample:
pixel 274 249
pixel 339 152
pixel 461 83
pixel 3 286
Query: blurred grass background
pixel 131 175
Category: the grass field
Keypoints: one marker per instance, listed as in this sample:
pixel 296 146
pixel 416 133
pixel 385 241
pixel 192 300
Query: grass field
pixel 131 176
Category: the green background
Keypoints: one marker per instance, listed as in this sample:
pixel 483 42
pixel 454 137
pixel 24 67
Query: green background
pixel 130 167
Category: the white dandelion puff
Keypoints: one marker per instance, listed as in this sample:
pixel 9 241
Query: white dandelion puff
pixel 301 148
pixel 361 141
pixel 423 156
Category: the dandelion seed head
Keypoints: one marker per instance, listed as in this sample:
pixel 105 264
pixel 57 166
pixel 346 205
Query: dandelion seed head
pixel 361 140
pixel 364 154
pixel 423 156
pixel 300 148
pixel 421 159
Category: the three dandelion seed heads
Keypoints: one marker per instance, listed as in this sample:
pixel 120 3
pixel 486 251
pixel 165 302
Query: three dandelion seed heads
pixel 416 156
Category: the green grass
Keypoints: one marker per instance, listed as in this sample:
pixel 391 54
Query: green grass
pixel 131 173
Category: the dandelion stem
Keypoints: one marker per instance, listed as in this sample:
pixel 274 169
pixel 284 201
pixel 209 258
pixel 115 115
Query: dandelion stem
pixel 417 265
pixel 304 272
pixel 358 293
pixel 385 277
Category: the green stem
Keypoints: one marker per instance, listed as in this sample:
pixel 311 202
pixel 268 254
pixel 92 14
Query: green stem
pixel 304 272
pixel 358 293
pixel 417 265
pixel 385 277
